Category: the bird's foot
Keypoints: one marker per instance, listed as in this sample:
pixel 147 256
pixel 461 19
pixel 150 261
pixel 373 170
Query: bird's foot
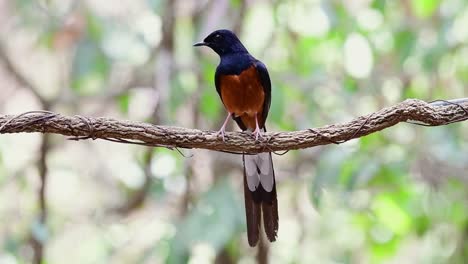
pixel 223 127
pixel 221 132
pixel 257 133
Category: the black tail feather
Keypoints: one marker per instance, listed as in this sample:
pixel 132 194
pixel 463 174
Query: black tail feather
pixel 256 202
pixel 253 214
pixel 270 213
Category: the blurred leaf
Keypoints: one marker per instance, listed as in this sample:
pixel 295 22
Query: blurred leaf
pixel 90 68
pixel 23 3
pixel 234 248
pixel 424 8
pixel 276 114
pixel 10 244
pixel 316 192
pixel 371 142
pixel 208 71
pixel 27 10
pixel 304 49
pixel 2 169
pixel 386 196
pixel 94 27
pixel 383 251
pixel 46 39
pixel 421 224
pixel 390 213
pixel 215 219
pixel 363 220
pixel 350 84
pixel 40 231
pixel 404 42
pixel 123 102
pixel 458 211
pixel 462 74
pixel 178 96
pixel 432 58
pixel 235 3
pixel 379 5
pixel 417 88
pixel 155 5
pixel 349 169
pixel 210 104
pixel 328 174
pixel 387 176
pixel 157 191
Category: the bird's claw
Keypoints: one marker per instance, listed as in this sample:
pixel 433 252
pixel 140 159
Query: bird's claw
pixel 258 134
pixel 221 131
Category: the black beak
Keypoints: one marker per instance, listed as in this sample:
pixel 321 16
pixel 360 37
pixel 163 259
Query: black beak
pixel 200 44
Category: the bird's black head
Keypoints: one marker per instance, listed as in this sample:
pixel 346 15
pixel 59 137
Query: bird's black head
pixel 223 42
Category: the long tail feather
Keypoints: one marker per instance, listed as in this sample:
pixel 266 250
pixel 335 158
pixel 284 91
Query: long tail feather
pixel 270 214
pixel 260 201
pixel 253 214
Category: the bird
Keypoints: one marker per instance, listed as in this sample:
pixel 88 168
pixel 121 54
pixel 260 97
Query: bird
pixel 244 87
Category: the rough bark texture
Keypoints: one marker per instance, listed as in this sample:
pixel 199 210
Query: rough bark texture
pixel 79 127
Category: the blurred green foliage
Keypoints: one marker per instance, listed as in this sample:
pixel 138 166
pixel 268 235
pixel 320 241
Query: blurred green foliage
pixel 398 196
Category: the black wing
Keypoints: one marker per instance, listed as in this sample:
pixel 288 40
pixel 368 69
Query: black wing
pixel 218 83
pixel 266 84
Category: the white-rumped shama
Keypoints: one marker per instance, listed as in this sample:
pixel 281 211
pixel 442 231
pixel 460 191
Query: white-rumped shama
pixel 244 86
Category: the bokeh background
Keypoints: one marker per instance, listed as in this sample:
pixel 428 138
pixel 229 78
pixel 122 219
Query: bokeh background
pixel 397 196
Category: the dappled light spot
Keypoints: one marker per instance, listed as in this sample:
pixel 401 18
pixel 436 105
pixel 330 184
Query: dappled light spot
pixel 358 58
pixel 369 19
pixel 308 20
pixel 163 165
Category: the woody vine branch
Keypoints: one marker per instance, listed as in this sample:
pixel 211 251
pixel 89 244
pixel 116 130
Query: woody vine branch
pixel 437 113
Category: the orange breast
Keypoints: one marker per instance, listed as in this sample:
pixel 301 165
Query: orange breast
pixel 243 95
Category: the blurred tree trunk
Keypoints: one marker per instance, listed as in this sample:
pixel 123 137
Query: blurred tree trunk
pixel 39 230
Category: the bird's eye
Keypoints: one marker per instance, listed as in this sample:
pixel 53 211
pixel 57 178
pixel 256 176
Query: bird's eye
pixel 218 37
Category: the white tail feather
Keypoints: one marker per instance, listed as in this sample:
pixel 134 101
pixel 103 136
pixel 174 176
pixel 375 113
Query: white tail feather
pixel 266 171
pixel 251 172
pixel 255 163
